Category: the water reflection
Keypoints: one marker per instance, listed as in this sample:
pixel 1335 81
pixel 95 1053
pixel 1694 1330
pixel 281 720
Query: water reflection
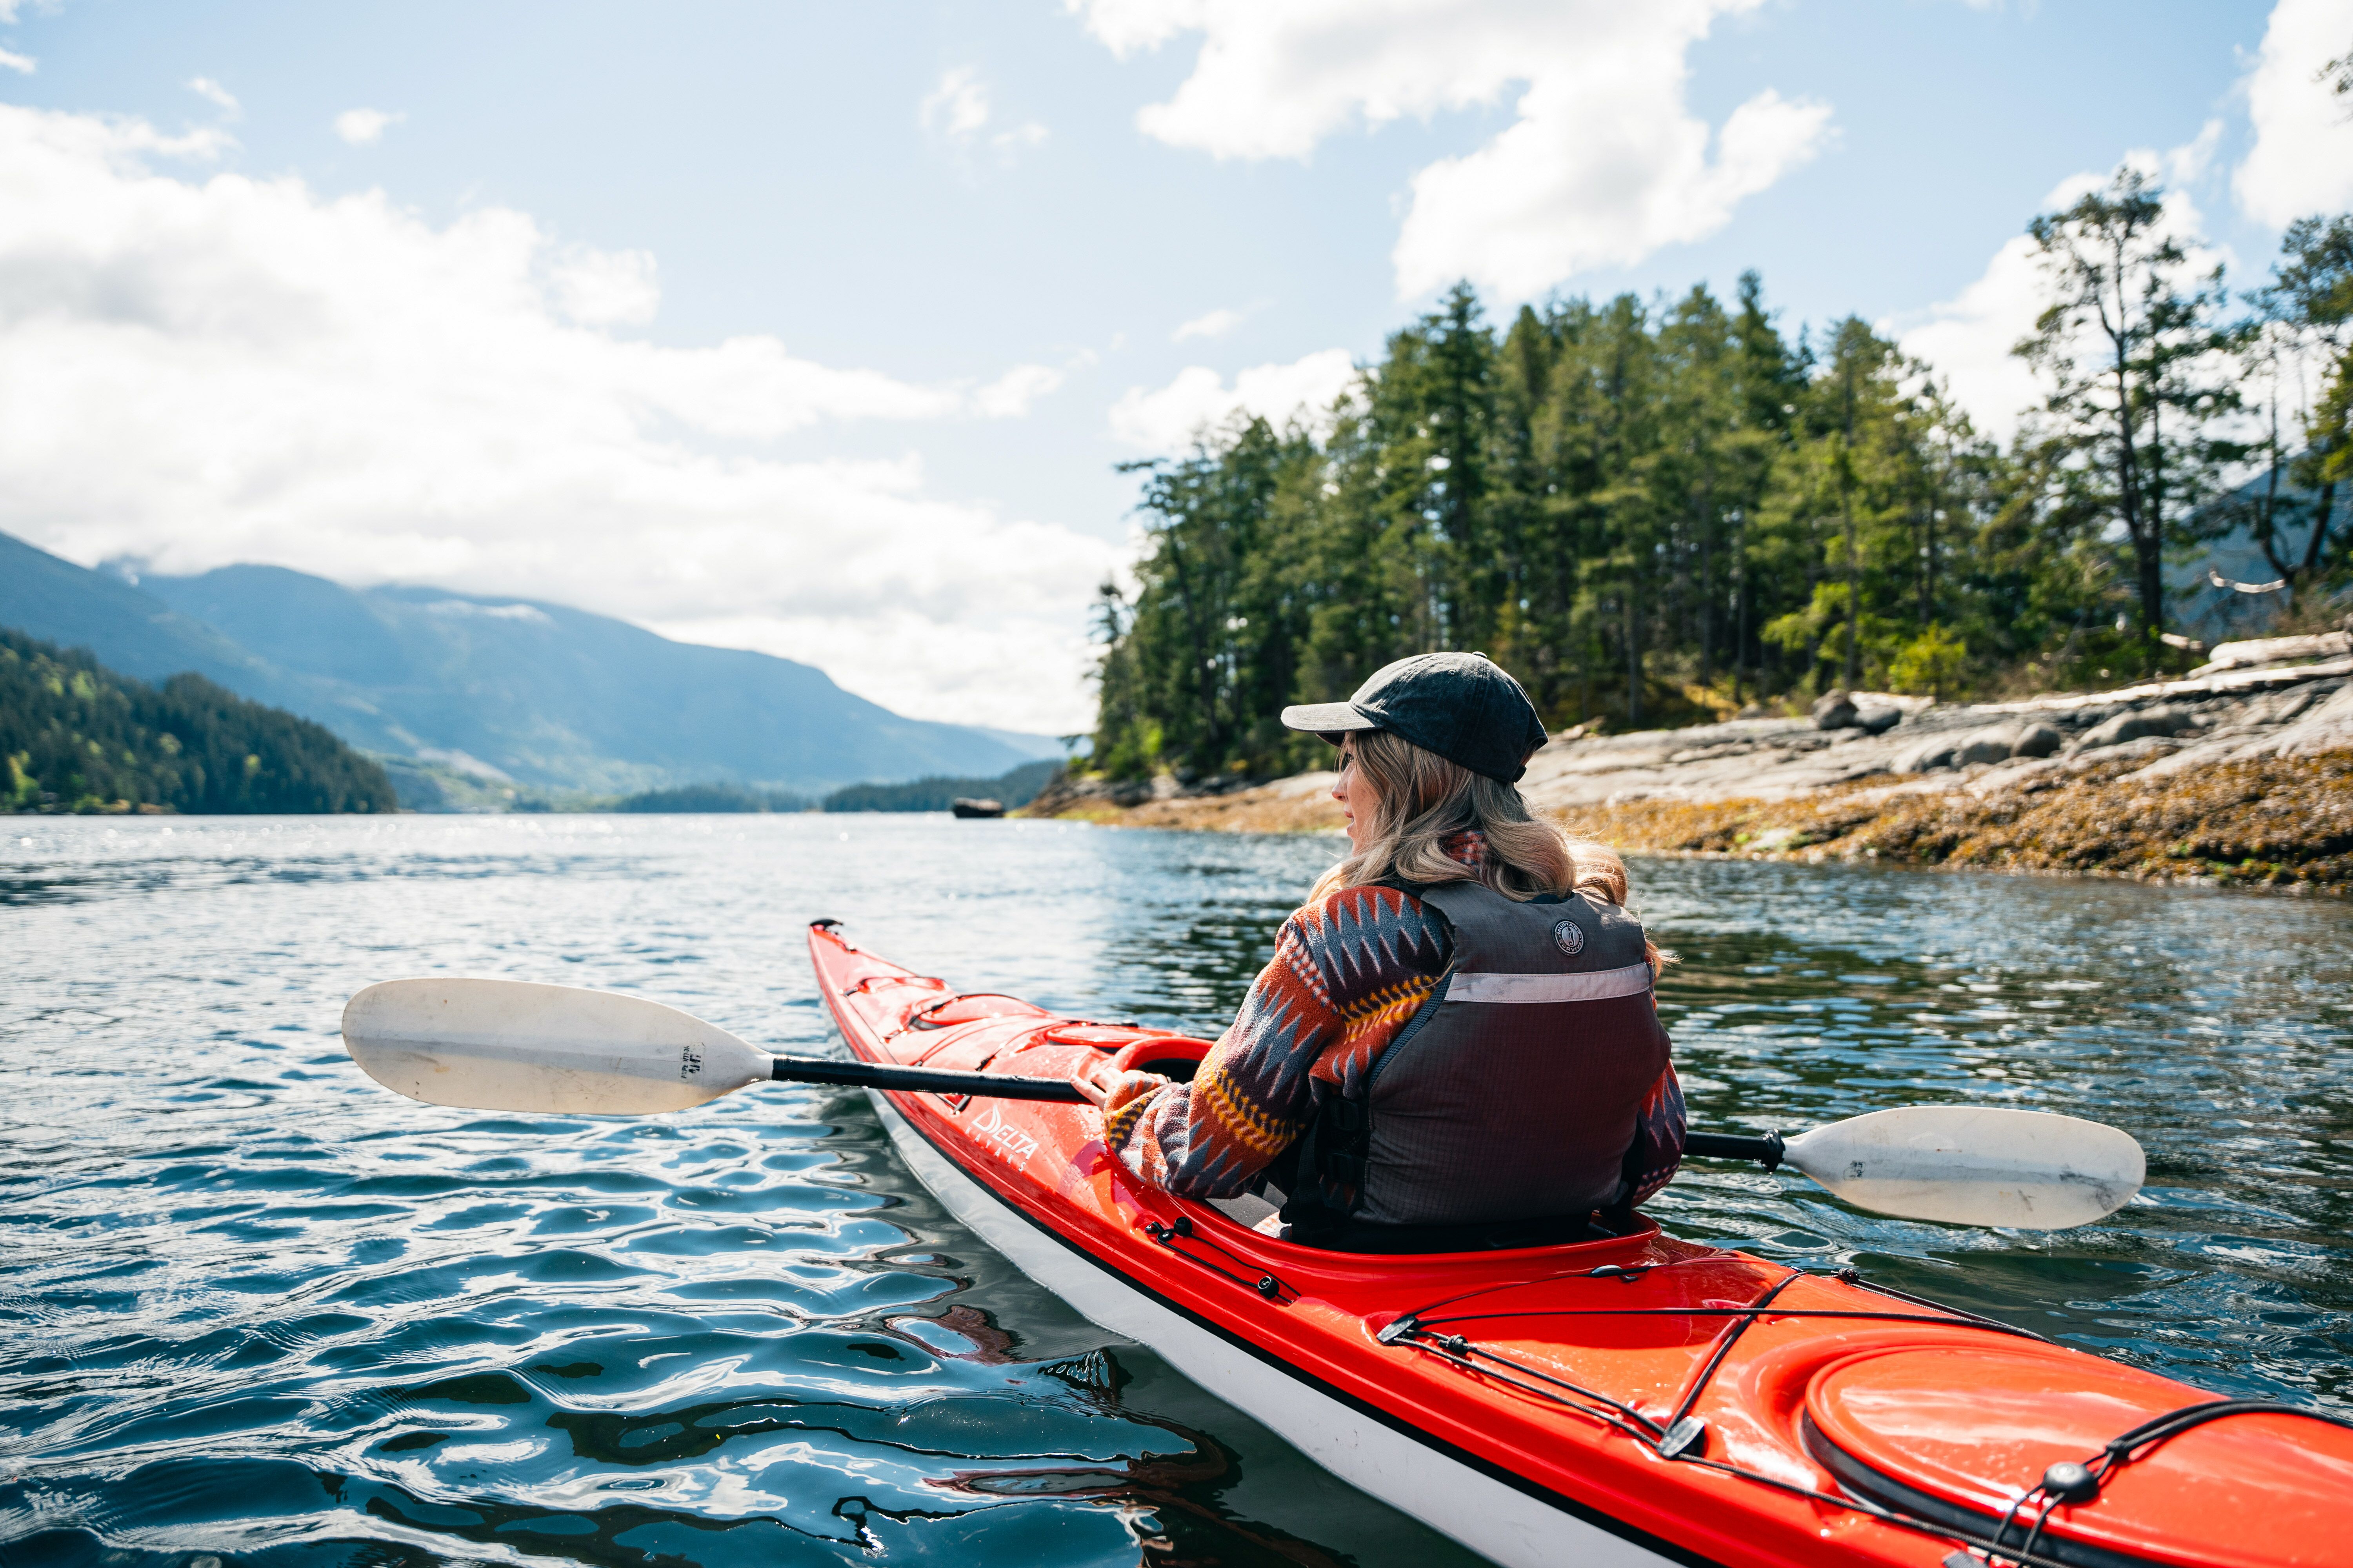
pixel 2210 1026
pixel 257 1305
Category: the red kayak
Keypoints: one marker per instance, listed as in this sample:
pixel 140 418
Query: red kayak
pixel 1633 1400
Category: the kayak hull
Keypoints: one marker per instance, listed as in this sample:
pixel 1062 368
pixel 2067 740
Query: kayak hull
pixel 1495 1516
pixel 1630 1400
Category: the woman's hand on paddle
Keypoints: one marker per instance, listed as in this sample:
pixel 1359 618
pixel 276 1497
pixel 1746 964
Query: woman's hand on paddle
pixel 1125 1088
pixel 1111 1091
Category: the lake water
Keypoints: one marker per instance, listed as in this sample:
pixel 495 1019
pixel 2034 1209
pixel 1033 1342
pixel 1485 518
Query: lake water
pixel 258 1309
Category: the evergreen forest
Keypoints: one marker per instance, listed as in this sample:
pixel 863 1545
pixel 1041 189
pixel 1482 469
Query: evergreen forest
pixel 710 797
pixel 933 793
pixel 77 737
pixel 1668 510
pixel 1017 787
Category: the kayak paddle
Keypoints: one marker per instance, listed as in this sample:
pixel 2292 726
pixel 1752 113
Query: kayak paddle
pixel 1966 1164
pixel 508 1044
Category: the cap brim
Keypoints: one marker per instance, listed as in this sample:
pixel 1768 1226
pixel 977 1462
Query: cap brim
pixel 1326 718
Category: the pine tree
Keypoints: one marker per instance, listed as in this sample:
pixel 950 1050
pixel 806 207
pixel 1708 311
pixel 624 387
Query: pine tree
pixel 2130 347
pixel 1654 511
pixel 2304 312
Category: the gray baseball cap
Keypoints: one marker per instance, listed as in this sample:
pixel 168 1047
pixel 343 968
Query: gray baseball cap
pixel 1460 705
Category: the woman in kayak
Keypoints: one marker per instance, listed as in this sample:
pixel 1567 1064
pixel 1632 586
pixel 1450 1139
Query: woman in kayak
pixel 1455 1045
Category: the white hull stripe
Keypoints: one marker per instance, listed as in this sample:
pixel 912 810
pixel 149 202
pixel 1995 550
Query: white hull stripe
pixel 1598 985
pixel 1488 1509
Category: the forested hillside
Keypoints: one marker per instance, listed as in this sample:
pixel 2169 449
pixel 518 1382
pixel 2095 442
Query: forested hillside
pixel 1654 512
pixel 1016 788
pixel 694 799
pixel 75 736
pixel 937 793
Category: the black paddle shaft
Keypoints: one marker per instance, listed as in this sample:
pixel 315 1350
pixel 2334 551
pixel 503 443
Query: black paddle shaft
pixel 1766 1151
pixel 876 1075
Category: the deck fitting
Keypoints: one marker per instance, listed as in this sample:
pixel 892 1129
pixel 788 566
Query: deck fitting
pixel 1688 1435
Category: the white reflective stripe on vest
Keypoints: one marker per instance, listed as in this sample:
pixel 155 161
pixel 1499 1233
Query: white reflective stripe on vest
pixel 1598 985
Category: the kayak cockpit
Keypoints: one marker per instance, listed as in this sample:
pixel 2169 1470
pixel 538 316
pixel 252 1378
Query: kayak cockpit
pixel 2030 1446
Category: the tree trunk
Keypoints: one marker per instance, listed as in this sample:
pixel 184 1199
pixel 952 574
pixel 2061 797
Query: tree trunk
pixel 1706 527
pixel 2320 521
pixel 1739 600
pixel 1584 677
pixel 1846 511
pixel 1633 661
pixel 2152 561
pixel 2147 542
pixel 1853 600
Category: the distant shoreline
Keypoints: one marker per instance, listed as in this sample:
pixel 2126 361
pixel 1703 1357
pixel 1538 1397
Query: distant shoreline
pixel 2243 778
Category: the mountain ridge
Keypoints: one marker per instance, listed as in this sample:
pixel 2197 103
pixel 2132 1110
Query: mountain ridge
pixel 524 691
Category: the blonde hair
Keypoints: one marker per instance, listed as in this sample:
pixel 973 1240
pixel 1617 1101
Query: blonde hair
pixel 1419 800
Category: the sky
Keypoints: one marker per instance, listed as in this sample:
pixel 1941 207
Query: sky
pixel 822 329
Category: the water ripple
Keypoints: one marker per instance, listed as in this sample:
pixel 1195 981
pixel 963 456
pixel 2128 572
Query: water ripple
pixel 261 1308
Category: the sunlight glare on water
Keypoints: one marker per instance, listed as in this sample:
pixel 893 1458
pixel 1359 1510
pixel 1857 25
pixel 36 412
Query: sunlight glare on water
pixel 259 1308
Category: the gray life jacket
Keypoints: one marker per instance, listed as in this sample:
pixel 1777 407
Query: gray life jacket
pixel 1513 1093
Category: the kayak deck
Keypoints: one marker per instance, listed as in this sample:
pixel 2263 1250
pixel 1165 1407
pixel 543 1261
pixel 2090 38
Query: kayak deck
pixel 1635 1399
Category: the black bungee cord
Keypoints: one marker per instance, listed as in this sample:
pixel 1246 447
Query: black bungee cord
pixel 1681 1440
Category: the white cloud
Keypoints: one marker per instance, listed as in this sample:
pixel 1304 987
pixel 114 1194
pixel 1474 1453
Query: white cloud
pixel 1967 340
pixel 1128 25
pixel 1603 165
pixel 1214 324
pixel 200 372
pixel 958 111
pixel 1010 395
pixel 1587 179
pixel 605 287
pixel 1168 420
pixel 2301 160
pixel 366 127
pixel 11 60
pixel 2181 165
pixel 216 95
pixel 958 108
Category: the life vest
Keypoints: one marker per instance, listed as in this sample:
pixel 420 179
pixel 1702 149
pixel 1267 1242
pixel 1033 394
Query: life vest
pixel 1513 1092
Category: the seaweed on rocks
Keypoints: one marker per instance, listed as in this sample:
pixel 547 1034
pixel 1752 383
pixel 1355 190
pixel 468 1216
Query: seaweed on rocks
pixel 2266 821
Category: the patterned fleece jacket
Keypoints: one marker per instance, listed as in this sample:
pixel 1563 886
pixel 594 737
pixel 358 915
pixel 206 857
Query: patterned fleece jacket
pixel 1348 972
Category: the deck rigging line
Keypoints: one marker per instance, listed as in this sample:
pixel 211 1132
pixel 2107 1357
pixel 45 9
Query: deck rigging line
pixel 1680 1439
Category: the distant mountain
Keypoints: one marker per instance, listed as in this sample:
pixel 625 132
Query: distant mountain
pixel 1036 748
pixel 536 693
pixel 132 632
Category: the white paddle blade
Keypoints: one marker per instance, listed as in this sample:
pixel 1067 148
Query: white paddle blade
pixel 504 1045
pixel 1974 1165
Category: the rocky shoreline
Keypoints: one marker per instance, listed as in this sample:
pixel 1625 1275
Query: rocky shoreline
pixel 2239 772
